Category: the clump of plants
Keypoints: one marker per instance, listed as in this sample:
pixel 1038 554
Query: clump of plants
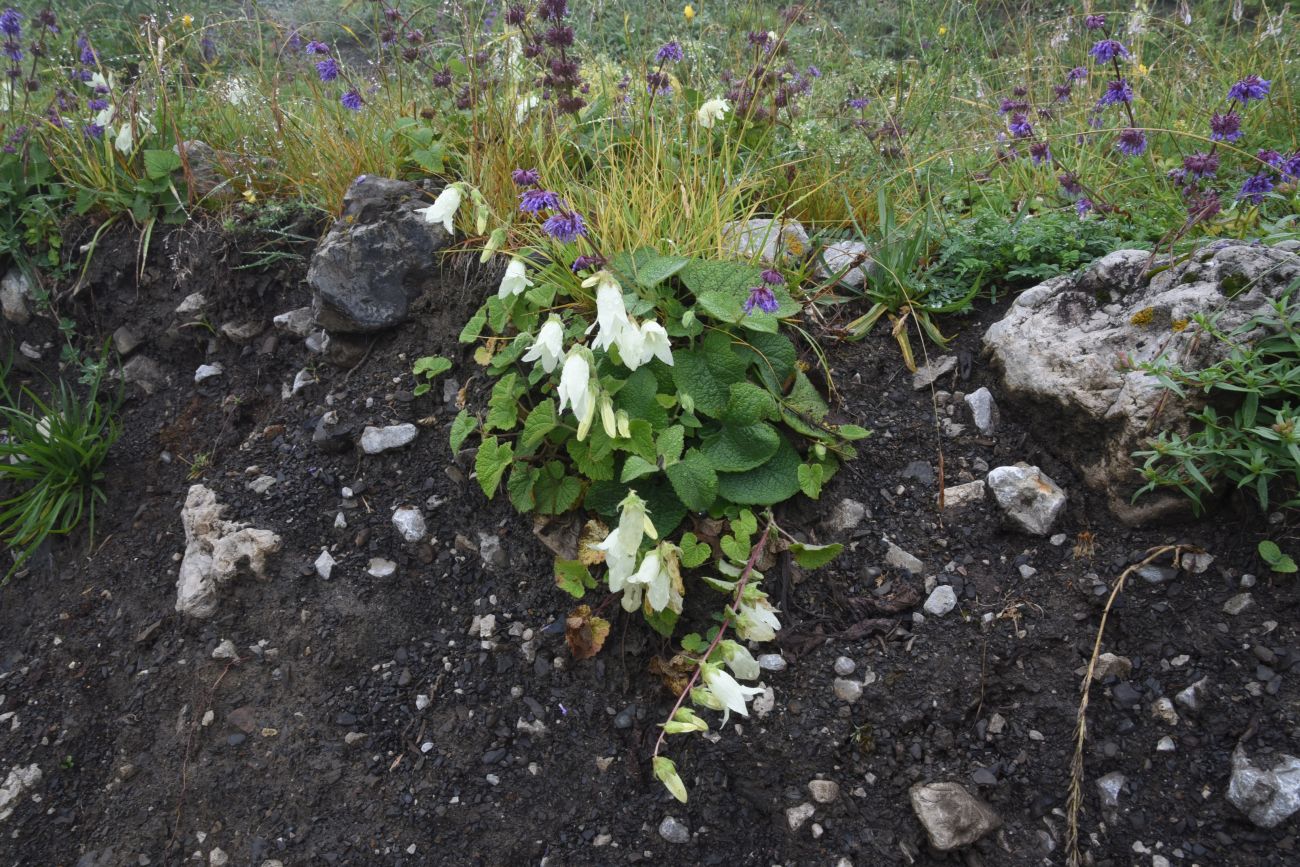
pixel 51 452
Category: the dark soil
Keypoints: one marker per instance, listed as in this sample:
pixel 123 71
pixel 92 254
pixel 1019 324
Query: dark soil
pixel 524 756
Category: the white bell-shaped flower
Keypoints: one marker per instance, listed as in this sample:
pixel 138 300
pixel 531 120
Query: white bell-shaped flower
pixel 654 343
pixel 548 348
pixel 443 210
pixel 711 112
pixel 623 543
pixel 611 312
pixel 728 691
pixel 515 280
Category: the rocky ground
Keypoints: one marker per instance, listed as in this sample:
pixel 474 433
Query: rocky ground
pixel 385 696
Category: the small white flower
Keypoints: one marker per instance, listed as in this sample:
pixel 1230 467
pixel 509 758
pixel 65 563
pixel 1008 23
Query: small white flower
pixel 656 576
pixel 631 345
pixel 623 543
pixel 105 116
pixel 515 280
pixel 654 343
pixel 611 313
pixel 739 660
pixel 548 348
pixel 711 112
pixel 725 688
pixel 444 208
pixel 575 385
pixel 756 621
pixel 98 80
pixel 125 140
pixel 607 418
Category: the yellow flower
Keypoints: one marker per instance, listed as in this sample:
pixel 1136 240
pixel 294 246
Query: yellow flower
pixel 1143 69
pixel 943 31
pixel 689 13
pixel 187 20
pixel 250 197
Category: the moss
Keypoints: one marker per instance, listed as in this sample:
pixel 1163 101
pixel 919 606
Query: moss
pixel 1143 317
pixel 1179 325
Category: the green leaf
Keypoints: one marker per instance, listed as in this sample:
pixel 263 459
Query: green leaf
pixel 694 481
pixel 503 405
pixel 637 398
pixel 811 478
pixel 1277 561
pixel 641 442
pixel 814 556
pixel 737 449
pixel 694 552
pixel 767 484
pixel 852 432
pixel 707 372
pixel 663 622
pixel 594 456
pixel 523 478
pixel 666 772
pixel 749 404
pixel 463 425
pixel 723 287
pixel 636 467
pixel 491 463
pixel 474 327
pixel 556 492
pixel 693 642
pixel 159 164
pixel 431 366
pixel 540 421
pixel 647 267
pixel 670 444
pixel 772 356
pixel 573 578
pixel 498 313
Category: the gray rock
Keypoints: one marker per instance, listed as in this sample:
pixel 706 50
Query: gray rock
pixel 19 781
pixel 491 552
pixel 15 290
pixel 927 374
pixel 1057 348
pixel 298 322
pixel 847 690
pixel 380 568
pixel 144 372
pixel 795 817
pixel 1028 497
pixel 216 550
pixel 1110 665
pixel 126 341
pixel 851 260
pixel 769 240
pixel 225 650
pixel 261 484
pixel 824 791
pixel 674 831
pixel 983 411
pixel 942 600
pixel 1109 787
pixel 377 258
pixel 410 523
pixel 968 494
pixel 845 666
pixel 771 662
pixel 218 857
pixel 1193 697
pixel 193 303
pixel 845 517
pixel 204 372
pixel 952 817
pixel 1237 604
pixel 1268 797
pixel 381 439
pixel 325 563
pixel 242 333
pixel 897 558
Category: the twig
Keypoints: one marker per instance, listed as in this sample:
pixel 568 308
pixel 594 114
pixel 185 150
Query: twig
pixel 1075 803
pixel 189 743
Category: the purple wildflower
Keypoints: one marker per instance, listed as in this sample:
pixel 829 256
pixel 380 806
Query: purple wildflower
pixel 1095 22
pixel 758 38
pixel 13 50
pixel 536 201
pixel 93 130
pixel 11 23
pixel 525 177
pixel 1040 152
pixel 1070 183
pixel 1250 87
pixel 87 54
pixel 859 102
pixel 1255 187
pixel 1020 126
pixel 1271 157
pixel 814 72
pixel 1007 106
pixel 658 83
pixel 1225 127
pixel 761 298
pixel 352 100
pixel 516 15
pixel 1063 92
pixel 441 78
pixel 565 227
pixel 1291 168
pixel 1118 91
pixel 669 52
pixel 1107 50
pixel 317 47
pixel 772 277
pixel 1201 164
pixel 328 69
pixel 1082 207
pixel 97 104
pixel 1079 73
pixel 1131 142
pixel 590 262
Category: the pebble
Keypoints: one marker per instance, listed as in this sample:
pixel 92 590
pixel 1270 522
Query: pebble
pixel 375 440
pixel 380 568
pixel 847 690
pixel 927 374
pixel 421 701
pixel 900 559
pixel 218 858
pixel 771 662
pixel 941 601
pixel 845 517
pixel 674 831
pixel 324 564
pixel 1111 665
pixel 410 523
pixel 964 495
pixel 352 738
pixel 208 371
pixel 844 666
pixel 796 816
pixel 1059 539
pixel 1163 709
pixel 984 412
pixel 1109 787
pixel 1193 697
pixel 1027 571
pixel 1238 604
pixel 1165 745
pixel 824 791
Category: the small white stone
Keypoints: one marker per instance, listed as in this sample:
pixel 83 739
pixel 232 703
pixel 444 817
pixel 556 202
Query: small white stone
pixel 847 690
pixel 1059 539
pixel 225 650
pixel 1027 571
pixel 845 666
pixel 421 701
pixel 942 601
pixel 771 662
pixel 1238 604
pixel 325 564
pixel 1166 745
pixel 796 816
pixel 824 791
pixel 410 523
pixel 381 568
pixel 206 372
pixel 1163 709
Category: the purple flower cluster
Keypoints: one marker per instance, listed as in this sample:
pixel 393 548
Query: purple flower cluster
pixel 352 100
pixel 669 52
pixel 1255 188
pixel 1225 127
pixel 548 44
pixel 1108 50
pixel 1117 92
pixel 590 262
pixel 563 224
pixel 328 69
pixel 526 177
pixel 1250 87
pixel 535 201
pixel 761 298
pixel 1020 127
pixel 1131 142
